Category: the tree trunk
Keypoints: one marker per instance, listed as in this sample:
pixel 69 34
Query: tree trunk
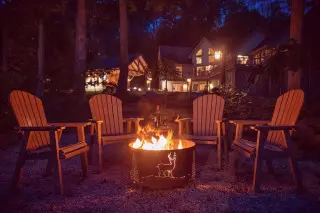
pixel 123 78
pixel 40 81
pixel 80 50
pixel 4 53
pixel 297 10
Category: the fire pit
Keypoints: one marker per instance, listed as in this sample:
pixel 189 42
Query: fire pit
pixel 162 162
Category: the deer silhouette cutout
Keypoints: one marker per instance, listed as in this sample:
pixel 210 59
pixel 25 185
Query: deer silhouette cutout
pixel 165 169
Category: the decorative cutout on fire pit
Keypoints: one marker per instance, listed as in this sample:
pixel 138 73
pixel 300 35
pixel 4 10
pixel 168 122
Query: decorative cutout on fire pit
pixel 166 169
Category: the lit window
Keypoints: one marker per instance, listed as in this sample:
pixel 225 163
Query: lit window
pixel 211 55
pixel 199 57
pixel 200 70
pixel 208 68
pixel 179 68
pixel 242 59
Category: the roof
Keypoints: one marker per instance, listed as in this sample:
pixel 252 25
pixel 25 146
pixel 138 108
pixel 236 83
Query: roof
pixel 179 55
pixel 109 62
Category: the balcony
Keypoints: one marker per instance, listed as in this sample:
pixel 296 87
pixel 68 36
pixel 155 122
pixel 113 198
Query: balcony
pixel 205 74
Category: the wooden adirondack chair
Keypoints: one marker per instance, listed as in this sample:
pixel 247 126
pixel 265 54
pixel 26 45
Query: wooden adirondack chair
pixel 274 137
pixel 208 127
pixel 108 122
pixel 40 139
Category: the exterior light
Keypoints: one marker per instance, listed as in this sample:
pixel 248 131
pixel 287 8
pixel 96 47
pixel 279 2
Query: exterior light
pixel 185 86
pixel 128 89
pixel 217 55
pixel 139 89
pixel 135 88
pixel 149 88
pixel 148 81
pixel 189 80
pixel 211 86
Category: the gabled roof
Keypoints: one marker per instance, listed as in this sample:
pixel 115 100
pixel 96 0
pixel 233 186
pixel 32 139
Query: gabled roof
pixel 109 62
pixel 179 55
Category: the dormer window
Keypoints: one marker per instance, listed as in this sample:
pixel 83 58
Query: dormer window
pixel 199 57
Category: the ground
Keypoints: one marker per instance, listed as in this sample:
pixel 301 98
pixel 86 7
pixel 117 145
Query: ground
pixel 111 191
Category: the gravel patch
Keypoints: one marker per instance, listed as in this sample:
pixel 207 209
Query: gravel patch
pixel 111 191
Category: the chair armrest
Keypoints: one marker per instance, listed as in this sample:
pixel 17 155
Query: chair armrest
pixel 248 122
pixel 272 128
pixel 183 120
pixel 39 128
pixel 92 121
pixel 71 125
pixel 132 119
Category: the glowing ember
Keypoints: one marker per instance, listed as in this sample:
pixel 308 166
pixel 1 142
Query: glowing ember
pixel 151 139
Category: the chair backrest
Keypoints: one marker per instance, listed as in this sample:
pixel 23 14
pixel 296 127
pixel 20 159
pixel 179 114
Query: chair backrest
pixel 286 112
pixel 29 112
pixel 108 109
pixel 206 110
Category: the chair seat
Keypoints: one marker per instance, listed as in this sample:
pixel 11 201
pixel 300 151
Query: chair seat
pixel 72 150
pixel 249 147
pixel 201 139
pixel 111 139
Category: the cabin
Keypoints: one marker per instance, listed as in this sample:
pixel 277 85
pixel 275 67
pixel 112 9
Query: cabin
pixel 196 68
pixel 105 71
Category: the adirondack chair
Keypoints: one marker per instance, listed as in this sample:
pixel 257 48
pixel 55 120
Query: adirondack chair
pixel 40 139
pixel 108 123
pixel 208 127
pixel 274 137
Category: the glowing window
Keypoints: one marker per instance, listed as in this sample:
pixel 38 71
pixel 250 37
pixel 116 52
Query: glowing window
pixel 199 57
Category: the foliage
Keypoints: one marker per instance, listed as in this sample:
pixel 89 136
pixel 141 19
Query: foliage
pixel 167 70
pixel 287 57
pixel 234 99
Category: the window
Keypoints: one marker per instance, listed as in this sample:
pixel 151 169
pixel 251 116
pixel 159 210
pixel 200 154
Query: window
pixel 242 59
pixel 179 70
pixel 211 55
pixel 177 87
pixel 199 57
pixel 200 70
pixel 209 68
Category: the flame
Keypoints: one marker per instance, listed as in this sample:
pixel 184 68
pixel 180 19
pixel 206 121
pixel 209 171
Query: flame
pixel 151 139
pixel 180 145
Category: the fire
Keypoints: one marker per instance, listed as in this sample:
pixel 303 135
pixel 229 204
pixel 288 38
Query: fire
pixel 151 139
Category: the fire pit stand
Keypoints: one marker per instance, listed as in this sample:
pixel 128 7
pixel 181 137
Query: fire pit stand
pixel 164 168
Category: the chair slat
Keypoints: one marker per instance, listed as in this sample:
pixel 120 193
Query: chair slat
pixel 29 112
pixel 206 110
pixel 286 112
pixel 108 109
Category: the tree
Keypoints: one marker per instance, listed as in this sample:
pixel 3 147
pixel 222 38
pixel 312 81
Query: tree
pixel 80 49
pixel 296 19
pixel 124 61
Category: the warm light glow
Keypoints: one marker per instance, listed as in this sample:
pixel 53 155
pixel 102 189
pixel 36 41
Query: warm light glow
pixel 151 139
pixel 148 81
pixel 217 55
pixel 135 88
pixel 189 80
pixel 211 86
pixel 180 145
pixel 139 89
pixel 185 86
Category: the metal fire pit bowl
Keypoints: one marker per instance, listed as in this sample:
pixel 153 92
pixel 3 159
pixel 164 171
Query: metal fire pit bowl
pixel 164 168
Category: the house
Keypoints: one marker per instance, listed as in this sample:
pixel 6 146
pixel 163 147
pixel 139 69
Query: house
pixel 106 70
pixel 195 68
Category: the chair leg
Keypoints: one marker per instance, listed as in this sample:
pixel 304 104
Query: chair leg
pixel 270 166
pixel 91 148
pixel 84 164
pixel 219 155
pixel 257 174
pixel 58 185
pixel 48 168
pixel 17 175
pixel 296 173
pixel 100 155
